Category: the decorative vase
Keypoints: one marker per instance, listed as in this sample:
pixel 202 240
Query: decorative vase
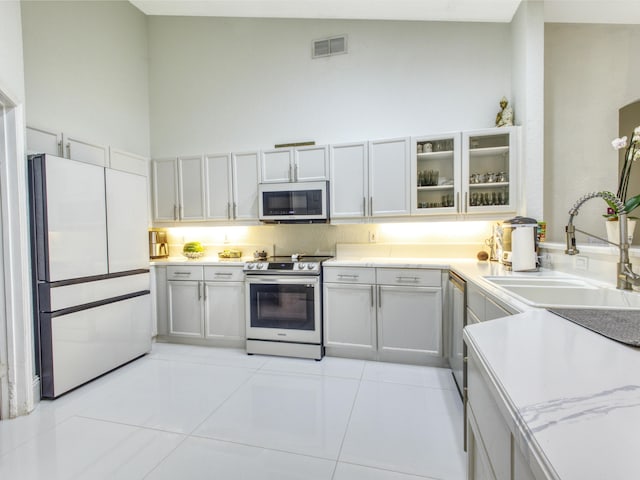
pixel 613 230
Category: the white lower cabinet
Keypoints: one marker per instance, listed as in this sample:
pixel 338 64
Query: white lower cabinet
pixel 205 305
pixel 185 315
pixel 409 322
pixel 224 305
pixel 350 319
pixel 492 451
pixel 383 314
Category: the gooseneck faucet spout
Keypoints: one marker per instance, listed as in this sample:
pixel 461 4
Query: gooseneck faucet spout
pixel 626 277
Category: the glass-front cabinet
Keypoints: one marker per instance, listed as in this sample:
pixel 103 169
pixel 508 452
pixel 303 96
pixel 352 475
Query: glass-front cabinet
pixel 435 174
pixel 489 176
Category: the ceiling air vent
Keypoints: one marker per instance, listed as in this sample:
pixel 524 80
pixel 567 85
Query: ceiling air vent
pixel 329 46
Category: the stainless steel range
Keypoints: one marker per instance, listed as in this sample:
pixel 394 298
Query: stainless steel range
pixel 284 306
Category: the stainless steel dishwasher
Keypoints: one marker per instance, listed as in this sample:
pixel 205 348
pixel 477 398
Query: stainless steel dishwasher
pixel 457 349
pixel 458 296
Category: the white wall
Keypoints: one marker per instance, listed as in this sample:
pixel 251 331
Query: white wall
pixel 590 72
pixel 11 63
pixel 86 71
pixel 221 84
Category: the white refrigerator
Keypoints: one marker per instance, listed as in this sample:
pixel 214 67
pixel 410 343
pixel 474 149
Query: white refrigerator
pixel 90 270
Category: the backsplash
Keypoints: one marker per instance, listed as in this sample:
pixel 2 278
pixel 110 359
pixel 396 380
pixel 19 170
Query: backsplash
pixel 595 262
pixel 432 239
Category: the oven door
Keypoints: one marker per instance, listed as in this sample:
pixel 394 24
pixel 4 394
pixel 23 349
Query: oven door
pixel 283 308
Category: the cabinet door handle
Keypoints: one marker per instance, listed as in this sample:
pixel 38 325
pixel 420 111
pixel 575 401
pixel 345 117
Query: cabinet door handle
pixel 204 291
pixel 346 275
pixel 60 149
pixel 379 297
pixel 290 173
pixel 181 212
pixel 68 149
pixel 295 172
pixel 199 290
pixel 466 202
pixel 229 210
pixel 364 206
pixel 223 274
pixel 182 273
pixel 235 210
pixel 407 279
pixel 372 295
pixel 458 202
pixel 370 206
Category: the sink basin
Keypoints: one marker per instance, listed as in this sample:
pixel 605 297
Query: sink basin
pixel 566 292
pixel 538 281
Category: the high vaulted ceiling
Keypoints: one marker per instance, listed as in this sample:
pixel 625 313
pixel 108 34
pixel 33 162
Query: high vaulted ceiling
pixel 565 11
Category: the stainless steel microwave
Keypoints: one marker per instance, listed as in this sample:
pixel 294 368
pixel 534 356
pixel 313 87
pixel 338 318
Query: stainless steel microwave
pixel 305 202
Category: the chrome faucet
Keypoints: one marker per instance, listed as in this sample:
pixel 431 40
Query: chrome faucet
pixel 626 277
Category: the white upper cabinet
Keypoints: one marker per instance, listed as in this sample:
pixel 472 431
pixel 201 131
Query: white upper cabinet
pixel 349 187
pixel 245 186
pixel 191 186
pixel 43 141
pixel 67 146
pixel 436 174
pixel 311 163
pixel 389 177
pixel 299 164
pixel 165 189
pixel 128 162
pixel 277 165
pixel 84 151
pixel 219 180
pixel 489 176
pixel 232 186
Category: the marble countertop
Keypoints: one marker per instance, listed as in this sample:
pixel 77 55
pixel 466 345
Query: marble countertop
pixel 573 395
pixel 204 261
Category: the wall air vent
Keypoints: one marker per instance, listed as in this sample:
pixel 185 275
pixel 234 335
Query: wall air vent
pixel 325 47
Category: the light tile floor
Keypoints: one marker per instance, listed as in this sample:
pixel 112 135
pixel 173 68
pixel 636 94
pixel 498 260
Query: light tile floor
pixel 185 412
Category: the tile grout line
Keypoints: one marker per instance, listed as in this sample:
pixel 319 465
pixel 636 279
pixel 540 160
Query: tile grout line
pixel 346 428
pixel 251 375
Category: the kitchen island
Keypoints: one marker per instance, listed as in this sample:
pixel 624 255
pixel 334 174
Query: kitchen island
pixel 569 397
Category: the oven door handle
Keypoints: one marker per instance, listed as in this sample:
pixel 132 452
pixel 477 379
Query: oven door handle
pixel 280 280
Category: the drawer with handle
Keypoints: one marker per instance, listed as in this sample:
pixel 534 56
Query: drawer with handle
pixel 223 274
pixel 349 275
pixel 185 272
pixel 409 276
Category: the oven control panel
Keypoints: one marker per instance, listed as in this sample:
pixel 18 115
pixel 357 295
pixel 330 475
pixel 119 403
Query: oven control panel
pixel 313 267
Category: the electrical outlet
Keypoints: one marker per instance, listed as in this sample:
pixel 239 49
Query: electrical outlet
pixel 581 262
pixel 373 236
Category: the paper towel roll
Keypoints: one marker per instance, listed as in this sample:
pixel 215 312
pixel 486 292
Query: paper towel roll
pixel 523 254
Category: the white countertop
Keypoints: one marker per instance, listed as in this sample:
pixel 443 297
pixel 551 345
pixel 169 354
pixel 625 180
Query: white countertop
pixel 204 261
pixel 573 394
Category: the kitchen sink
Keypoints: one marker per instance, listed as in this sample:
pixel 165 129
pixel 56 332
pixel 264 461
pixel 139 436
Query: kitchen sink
pixel 538 281
pixel 566 292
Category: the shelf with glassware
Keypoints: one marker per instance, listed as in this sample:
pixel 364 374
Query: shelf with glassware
pixel 435 173
pixel 489 170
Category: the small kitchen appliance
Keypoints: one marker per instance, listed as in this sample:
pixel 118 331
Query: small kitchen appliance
pixel 158 246
pixel 519 244
pixel 284 306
